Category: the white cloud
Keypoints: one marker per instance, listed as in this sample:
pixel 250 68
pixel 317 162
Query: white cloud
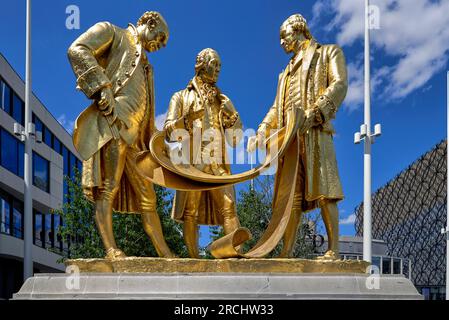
pixel 354 97
pixel 415 33
pixel 67 124
pixel 348 220
pixel 160 120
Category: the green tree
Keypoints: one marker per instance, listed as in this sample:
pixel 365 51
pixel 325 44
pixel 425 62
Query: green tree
pixel 79 226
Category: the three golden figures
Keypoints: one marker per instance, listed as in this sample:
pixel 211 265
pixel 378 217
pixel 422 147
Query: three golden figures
pixel 124 155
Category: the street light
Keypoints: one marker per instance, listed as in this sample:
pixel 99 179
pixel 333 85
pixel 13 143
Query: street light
pixel 26 135
pixel 446 230
pixel 365 134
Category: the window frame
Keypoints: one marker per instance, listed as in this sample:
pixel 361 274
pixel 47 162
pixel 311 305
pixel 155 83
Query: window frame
pixel 8 199
pixel 11 91
pixel 48 172
pixel 18 156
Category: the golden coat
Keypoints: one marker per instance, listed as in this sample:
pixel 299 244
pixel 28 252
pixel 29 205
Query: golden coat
pixel 318 79
pixel 108 56
pixel 181 103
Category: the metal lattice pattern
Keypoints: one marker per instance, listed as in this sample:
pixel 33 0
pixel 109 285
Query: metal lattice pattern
pixel 408 214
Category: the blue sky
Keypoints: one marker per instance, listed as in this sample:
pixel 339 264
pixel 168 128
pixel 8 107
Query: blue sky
pixel 410 54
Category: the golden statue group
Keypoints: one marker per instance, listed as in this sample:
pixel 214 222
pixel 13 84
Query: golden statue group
pixel 124 155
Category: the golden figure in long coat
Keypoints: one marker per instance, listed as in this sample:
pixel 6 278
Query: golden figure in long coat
pixel 112 69
pixel 201 110
pixel 315 81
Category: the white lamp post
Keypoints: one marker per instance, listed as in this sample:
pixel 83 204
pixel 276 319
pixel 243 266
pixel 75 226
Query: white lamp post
pixel 445 231
pixel 365 134
pixel 28 175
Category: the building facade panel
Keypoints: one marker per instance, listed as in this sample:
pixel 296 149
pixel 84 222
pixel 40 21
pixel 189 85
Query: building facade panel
pixel 53 158
pixel 409 212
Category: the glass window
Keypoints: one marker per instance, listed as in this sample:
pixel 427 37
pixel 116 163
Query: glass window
pixel 376 262
pixel 5 97
pixel 66 161
pixel 48 137
pixel 39 126
pixel 66 242
pixel 73 164
pixel 386 265
pixel 396 266
pixel 41 172
pixel 2 85
pixel 21 158
pixel 18 109
pixel 426 293
pixel 38 231
pixel 49 231
pixel 65 155
pixel 17 220
pixel 80 166
pixel 5 215
pixel 11 156
pixel 57 145
pixel 57 237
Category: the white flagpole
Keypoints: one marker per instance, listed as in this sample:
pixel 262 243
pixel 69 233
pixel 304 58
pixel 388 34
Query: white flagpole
pixel 447 206
pixel 28 178
pixel 367 232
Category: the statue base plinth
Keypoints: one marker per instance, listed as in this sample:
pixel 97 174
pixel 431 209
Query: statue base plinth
pixel 216 286
pixel 158 278
pixel 164 265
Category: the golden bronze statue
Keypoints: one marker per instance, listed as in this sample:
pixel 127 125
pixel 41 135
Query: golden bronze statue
pixel 123 158
pixel 112 69
pixel 315 81
pixel 202 110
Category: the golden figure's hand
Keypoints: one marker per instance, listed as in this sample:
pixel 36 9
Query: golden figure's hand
pixel 313 118
pixel 190 117
pixel 194 115
pixel 254 142
pixel 227 106
pixel 229 112
pixel 106 102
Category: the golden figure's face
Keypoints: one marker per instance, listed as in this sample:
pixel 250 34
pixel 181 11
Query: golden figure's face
pixel 155 39
pixel 290 39
pixel 211 70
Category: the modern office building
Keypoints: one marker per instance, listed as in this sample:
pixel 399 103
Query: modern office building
pixel 351 248
pixel 408 213
pixel 53 159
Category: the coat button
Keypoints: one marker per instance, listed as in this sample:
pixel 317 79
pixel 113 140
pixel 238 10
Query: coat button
pixel 137 53
pixel 133 64
pixel 119 82
pixel 127 74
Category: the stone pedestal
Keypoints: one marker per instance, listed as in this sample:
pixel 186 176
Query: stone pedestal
pixel 197 286
pixel 157 278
